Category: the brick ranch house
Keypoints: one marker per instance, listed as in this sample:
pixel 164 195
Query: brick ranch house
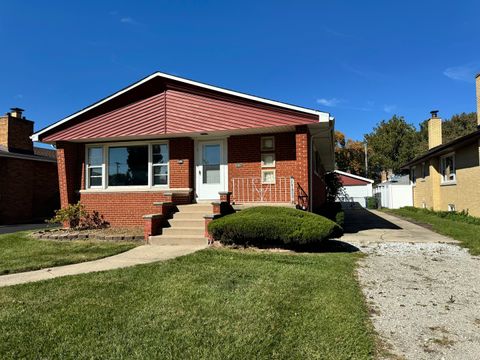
pixel 169 139
pixel 28 174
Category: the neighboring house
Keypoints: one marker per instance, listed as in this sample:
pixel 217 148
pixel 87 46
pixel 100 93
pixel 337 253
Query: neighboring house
pixel 394 193
pixel 355 188
pixel 447 176
pixel 28 175
pixel 165 138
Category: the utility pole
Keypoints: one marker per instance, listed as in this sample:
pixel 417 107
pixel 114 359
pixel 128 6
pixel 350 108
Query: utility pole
pixel 366 160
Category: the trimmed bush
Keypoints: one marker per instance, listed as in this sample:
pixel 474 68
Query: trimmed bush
pixel 265 226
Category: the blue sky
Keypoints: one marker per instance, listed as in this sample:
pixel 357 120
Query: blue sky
pixel 362 61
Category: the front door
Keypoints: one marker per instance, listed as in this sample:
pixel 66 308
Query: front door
pixel 211 167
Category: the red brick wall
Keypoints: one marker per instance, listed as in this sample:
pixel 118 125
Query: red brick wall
pixel 291 159
pixel 15 134
pixel 28 190
pixel 181 162
pixel 123 208
pixel 70 157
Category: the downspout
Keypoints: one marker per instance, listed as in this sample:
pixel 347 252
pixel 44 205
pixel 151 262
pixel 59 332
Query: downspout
pixel 310 175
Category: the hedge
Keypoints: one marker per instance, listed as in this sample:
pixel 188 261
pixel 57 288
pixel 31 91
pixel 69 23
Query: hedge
pixel 265 226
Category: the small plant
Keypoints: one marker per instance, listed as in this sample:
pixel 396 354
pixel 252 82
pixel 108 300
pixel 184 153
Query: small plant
pixel 372 202
pixel 93 221
pixel 72 215
pixel 78 218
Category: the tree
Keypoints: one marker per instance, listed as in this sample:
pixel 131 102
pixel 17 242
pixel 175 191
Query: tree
pixel 458 125
pixel 349 154
pixel 392 143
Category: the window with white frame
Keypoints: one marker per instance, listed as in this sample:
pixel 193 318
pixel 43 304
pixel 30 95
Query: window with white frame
pixel 447 167
pixel 160 164
pixel 267 146
pixel 268 176
pixel 268 160
pixel 94 167
pixel 127 164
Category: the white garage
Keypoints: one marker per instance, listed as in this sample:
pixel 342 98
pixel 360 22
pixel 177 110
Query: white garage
pixel 355 189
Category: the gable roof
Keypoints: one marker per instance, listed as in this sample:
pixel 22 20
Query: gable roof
pixel 445 148
pixel 356 177
pixel 322 116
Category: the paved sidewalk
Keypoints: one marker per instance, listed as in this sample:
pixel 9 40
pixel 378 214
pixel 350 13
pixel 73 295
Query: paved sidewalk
pixel 140 255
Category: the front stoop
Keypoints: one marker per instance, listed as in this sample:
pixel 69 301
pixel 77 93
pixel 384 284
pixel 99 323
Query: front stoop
pixel 187 227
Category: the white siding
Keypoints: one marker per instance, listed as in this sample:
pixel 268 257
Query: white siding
pixel 357 193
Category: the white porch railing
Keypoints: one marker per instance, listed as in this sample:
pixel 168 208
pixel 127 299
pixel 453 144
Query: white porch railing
pixel 251 189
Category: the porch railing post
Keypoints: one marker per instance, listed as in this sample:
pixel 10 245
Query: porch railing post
pixel 292 189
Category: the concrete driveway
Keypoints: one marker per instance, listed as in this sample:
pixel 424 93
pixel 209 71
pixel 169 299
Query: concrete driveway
pixel 422 289
pixel 364 226
pixel 7 229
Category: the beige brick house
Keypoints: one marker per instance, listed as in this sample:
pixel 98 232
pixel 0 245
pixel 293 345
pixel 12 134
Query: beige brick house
pixel 447 176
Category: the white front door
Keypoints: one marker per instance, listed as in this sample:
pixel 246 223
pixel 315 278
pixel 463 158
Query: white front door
pixel 211 169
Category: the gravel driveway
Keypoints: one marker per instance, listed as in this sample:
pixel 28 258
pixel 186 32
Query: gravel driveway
pixel 422 290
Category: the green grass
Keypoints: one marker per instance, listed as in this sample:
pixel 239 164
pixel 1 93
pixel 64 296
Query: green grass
pixel 465 229
pixel 20 252
pixel 214 304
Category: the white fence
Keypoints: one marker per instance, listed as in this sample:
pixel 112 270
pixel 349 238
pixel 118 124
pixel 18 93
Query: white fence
pixel 394 196
pixel 251 189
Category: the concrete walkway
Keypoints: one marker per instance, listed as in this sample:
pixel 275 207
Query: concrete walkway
pixel 140 255
pixel 371 226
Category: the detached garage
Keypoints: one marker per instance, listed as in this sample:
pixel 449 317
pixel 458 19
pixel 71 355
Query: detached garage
pixel 355 189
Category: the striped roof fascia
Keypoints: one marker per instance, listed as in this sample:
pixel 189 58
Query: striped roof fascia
pixel 322 116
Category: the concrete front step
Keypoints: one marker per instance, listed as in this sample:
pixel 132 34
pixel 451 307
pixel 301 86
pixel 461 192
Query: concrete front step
pixel 177 240
pixel 197 222
pixel 188 207
pixel 189 215
pixel 184 230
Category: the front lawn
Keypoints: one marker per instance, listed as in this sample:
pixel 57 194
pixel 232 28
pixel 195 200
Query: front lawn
pixel 214 304
pixel 465 229
pixel 20 252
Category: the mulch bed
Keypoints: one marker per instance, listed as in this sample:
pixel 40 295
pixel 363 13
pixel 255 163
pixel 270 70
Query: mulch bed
pixel 107 234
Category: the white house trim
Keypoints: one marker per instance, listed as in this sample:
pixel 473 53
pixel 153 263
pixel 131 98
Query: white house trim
pixel 353 176
pixel 322 116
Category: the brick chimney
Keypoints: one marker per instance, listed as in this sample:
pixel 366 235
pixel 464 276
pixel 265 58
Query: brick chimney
pixel 15 132
pixel 478 99
pixel 434 130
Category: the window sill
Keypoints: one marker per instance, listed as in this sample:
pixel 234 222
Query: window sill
pixel 448 183
pixel 136 189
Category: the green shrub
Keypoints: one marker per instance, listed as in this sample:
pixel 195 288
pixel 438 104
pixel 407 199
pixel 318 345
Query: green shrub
pixel 372 202
pixel 273 226
pixel 77 217
pixel 332 211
